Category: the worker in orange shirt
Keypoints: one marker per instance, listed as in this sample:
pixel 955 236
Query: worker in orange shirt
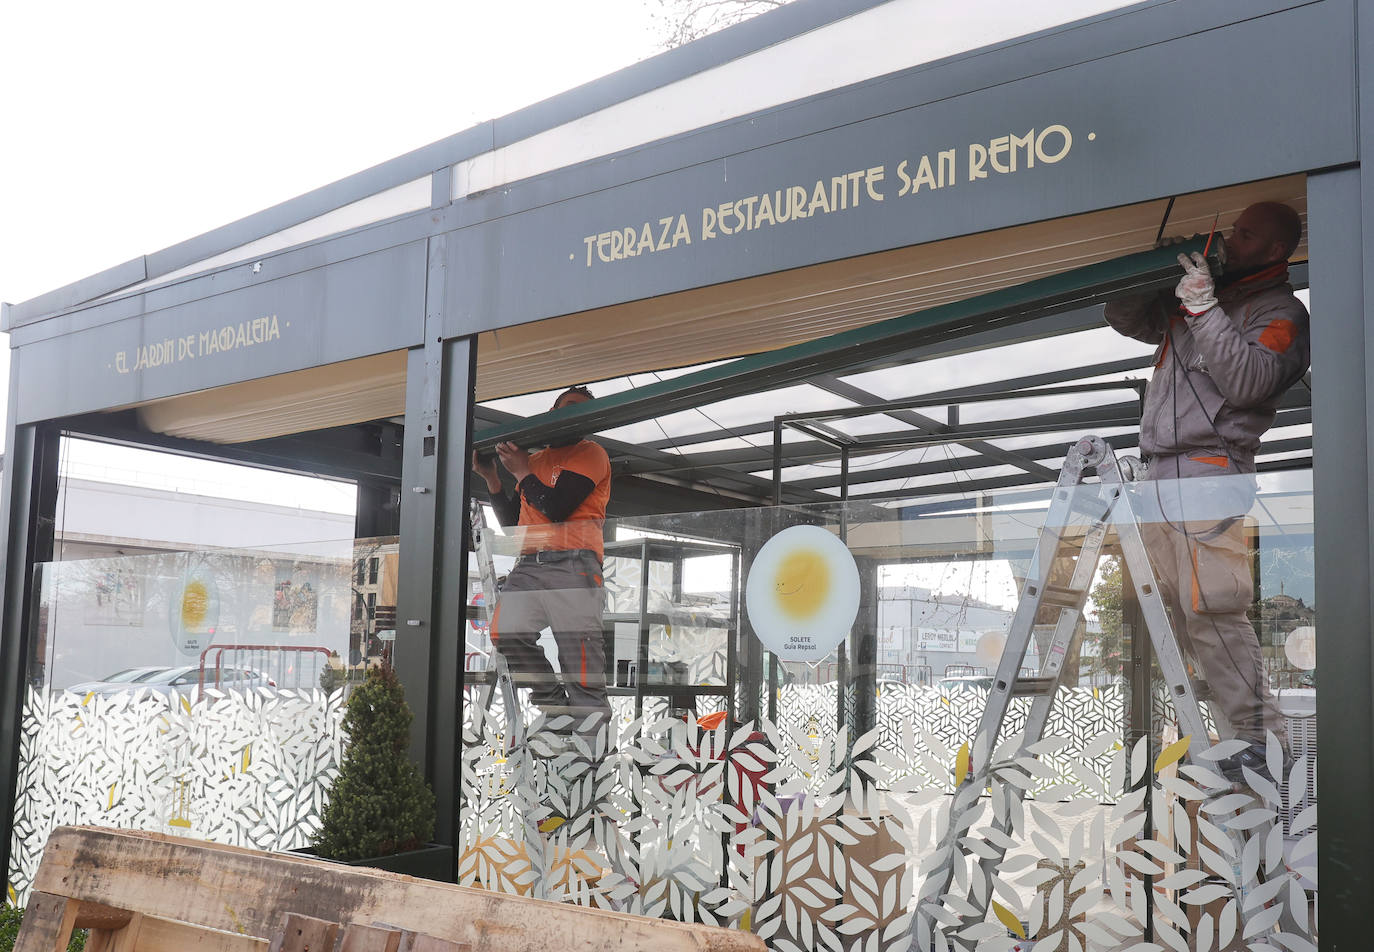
pixel 560 508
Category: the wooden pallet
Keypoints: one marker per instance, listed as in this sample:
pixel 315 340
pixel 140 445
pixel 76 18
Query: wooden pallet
pixel 148 892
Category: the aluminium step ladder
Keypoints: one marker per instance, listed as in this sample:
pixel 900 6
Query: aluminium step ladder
pixel 516 736
pixel 606 833
pixel 486 567
pixel 1100 507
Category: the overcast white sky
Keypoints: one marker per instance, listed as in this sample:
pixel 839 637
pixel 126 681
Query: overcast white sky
pixel 128 127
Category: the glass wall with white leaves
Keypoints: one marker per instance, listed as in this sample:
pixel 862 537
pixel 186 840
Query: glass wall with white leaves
pixel 1078 718
pixel 189 638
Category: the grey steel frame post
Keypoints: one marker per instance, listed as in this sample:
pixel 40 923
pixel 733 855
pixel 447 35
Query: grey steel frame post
pixel 750 652
pixel 773 527
pixel 842 649
pixel 864 674
pixel 27 513
pixel 1138 712
pixel 864 670
pixel 642 632
pixel 1340 209
pixel 431 590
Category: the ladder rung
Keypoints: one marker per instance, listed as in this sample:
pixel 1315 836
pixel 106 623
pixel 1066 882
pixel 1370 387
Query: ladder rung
pixel 1063 597
pixel 1202 691
pixel 1032 686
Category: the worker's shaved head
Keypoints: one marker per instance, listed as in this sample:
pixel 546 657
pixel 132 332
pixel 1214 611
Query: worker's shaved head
pixel 1264 234
pixel 1285 222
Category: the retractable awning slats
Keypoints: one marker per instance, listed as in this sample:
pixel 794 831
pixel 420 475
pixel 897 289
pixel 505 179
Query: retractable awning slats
pixel 1136 273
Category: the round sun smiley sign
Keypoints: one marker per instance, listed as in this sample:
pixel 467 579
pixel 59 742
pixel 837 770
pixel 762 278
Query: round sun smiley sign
pixel 802 594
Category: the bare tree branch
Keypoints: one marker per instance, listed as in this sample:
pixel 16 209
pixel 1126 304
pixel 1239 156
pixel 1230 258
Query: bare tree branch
pixel 682 21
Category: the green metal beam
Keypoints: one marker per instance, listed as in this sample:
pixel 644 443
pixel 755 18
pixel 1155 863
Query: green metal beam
pixel 814 451
pixel 841 388
pixel 960 464
pixel 1131 274
pixel 629 459
pixel 997 386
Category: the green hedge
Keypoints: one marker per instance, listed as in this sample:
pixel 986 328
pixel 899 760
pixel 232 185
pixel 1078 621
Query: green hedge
pixel 10 919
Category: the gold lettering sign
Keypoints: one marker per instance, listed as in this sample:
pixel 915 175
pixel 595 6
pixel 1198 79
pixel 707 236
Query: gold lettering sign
pixel 172 350
pixel 844 192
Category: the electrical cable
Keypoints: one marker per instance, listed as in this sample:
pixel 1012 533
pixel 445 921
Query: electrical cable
pixel 1165 220
pixel 1191 542
pixel 673 445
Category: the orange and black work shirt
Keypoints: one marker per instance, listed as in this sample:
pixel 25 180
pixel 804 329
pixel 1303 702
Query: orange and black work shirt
pixel 583 529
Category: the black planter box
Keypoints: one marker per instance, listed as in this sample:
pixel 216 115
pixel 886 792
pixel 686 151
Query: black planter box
pixel 434 861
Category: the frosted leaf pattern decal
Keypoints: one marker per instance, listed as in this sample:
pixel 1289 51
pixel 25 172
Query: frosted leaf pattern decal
pixel 816 840
pixel 245 768
pixel 811 838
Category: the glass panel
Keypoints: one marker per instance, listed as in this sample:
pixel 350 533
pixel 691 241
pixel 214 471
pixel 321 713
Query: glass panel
pixel 181 692
pixel 181 680
pixel 836 784
pixel 372 629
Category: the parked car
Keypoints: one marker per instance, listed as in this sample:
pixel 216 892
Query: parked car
pixel 965 684
pixel 118 681
pixel 185 681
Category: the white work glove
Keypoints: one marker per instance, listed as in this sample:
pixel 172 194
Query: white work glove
pixel 1195 291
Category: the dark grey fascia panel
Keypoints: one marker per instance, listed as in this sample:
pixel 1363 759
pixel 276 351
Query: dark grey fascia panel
pixel 1122 112
pixel 261 224
pixel 71 295
pixel 794 19
pixel 323 252
pixel 1096 38
pixel 363 306
pixel 1049 49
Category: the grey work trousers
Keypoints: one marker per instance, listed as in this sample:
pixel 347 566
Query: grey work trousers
pixel 1204 575
pixel 565 596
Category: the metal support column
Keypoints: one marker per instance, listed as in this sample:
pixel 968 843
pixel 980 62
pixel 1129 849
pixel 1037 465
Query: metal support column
pixel 26 514
pixel 378 511
pixel 1340 210
pixel 842 669
pixel 864 636
pixel 431 590
pixel 1137 652
pixel 749 681
pixel 774 526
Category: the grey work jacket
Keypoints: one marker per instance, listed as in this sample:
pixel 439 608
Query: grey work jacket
pixel 1218 376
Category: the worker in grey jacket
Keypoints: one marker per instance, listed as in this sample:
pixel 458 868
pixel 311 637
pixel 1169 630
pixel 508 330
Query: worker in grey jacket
pixel 1227 350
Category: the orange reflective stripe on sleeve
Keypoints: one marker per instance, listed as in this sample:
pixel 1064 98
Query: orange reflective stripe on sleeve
pixel 1279 335
pixel 1221 461
pixel 495 615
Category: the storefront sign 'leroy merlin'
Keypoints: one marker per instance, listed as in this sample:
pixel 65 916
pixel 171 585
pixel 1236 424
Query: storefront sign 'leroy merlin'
pixel 802 594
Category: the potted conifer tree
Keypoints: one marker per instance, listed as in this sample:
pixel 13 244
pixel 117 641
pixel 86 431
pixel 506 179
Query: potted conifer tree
pixel 381 811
